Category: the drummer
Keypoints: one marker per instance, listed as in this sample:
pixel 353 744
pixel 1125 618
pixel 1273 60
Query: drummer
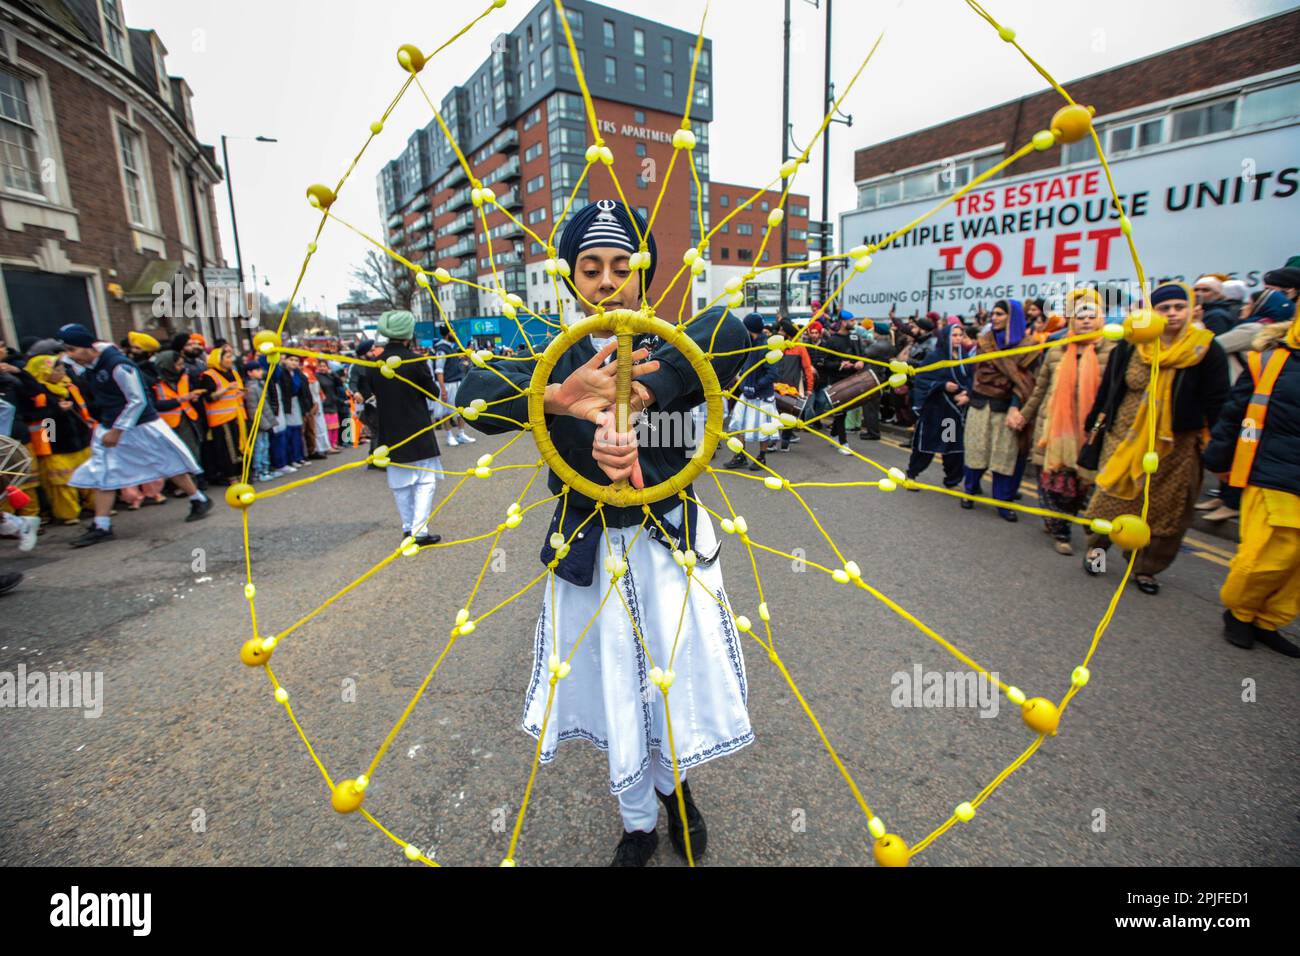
pixel 835 363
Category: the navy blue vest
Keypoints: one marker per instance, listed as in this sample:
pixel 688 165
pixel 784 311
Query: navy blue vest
pixel 108 397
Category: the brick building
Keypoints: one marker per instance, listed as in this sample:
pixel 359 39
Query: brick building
pixel 104 188
pixel 522 125
pixel 1204 140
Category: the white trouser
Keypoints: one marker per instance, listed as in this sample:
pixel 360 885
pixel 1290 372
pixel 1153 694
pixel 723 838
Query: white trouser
pixel 11 524
pixel 414 504
pixel 639 804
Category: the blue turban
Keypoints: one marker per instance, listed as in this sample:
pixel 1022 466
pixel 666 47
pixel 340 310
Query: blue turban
pixel 1273 306
pixel 1169 292
pixel 754 322
pixel 606 224
pixel 77 336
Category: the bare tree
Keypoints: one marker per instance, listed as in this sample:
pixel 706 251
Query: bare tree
pixel 384 280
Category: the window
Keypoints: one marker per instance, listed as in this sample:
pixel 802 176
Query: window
pixel 725 227
pixel 1121 139
pixel 668 84
pixel 532 152
pixel 701 93
pixel 611 70
pixel 705 59
pixel 575 22
pixel 183 220
pixel 1269 105
pixel 164 84
pixel 744 229
pixel 638 72
pixel 799 235
pixel 1081 152
pixel 797 210
pixel 745 255
pixel 724 201
pixel 546 24
pixel 530 39
pixel 763 203
pixel 536 183
pixel 114 31
pixel 1203 120
pixel 1151 133
pixel 535 278
pixel 18 136
pixel 564 140
pixel 667 47
pixel 548 62
pixel 643 212
pixel 638 117
pixel 537 215
pixel 608 30
pixel 638 42
pixel 532 75
pixel 726 253
pixel 133 175
pixel 640 149
pixel 533 119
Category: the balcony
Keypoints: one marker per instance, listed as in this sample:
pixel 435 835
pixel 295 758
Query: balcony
pixel 395 221
pixel 509 230
pixel 465 305
pixel 465 271
pixel 506 141
pixel 421 203
pixel 422 243
pixel 511 200
pixel 457 175
pixel 510 170
pixel 461 223
pixel 465 247
pixel 456 201
pixel 508 257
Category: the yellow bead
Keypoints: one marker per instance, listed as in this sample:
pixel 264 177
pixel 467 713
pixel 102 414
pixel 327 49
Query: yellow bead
pixel 320 196
pixel 377 127
pixel 1044 140
pixel 250 591
pixel 442 275
pixel 683 139
pixel 773 483
pixel 346 796
pixel 852 570
pixel 253 654
pixel 890 850
pixel 898 367
pixel 840 576
pixel 387 371
pixel 1130 533
pixel 380 461
pixel 1072 122
pixel 1112 331
pixel 743 624
pixel 741 525
pixel 735 444
pixel 1007 33
pixel 1143 325
pixel 311 248
pixel 266 341
pixel 508 862
pixel 412 852
pixel 735 300
pixel 593 153
pixel 876 827
pixel 607 156
pixel 763 613
pixel 1080 676
pixel 410 58
pixel 1016 696
pixel 775 217
pixel 656 676
pixel 857 252
pixel 773 356
pixel 1126 225
pixel 668 679
pixel 393 361
pixel 1150 462
pixel 887 484
pixel 862 264
pixel 787 168
pixel 897 380
pixel 1099 526
pixel 422 280
pixel 481 472
pixel 509 311
pixel 563 672
pixel 728 526
pixel 698 266
pixel 281 695
pixel 240 495
pixel 1041 715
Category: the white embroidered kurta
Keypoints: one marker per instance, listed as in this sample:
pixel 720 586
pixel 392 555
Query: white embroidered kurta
pixel 608 698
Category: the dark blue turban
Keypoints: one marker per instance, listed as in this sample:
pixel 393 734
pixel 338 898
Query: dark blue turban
pixel 606 224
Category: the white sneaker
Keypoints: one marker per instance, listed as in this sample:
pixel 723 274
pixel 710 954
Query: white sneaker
pixel 843 451
pixel 451 440
pixel 27 535
pixel 465 439
pixel 288 469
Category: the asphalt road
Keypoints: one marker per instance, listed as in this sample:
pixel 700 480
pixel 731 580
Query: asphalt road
pixel 193 762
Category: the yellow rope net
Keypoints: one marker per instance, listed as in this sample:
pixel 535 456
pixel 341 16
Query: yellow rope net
pixel 1041 714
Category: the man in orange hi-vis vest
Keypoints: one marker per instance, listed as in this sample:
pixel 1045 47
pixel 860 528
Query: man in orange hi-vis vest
pixel 1256 445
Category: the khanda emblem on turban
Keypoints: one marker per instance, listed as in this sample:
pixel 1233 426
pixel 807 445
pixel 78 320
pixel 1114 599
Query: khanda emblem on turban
pixel 606 207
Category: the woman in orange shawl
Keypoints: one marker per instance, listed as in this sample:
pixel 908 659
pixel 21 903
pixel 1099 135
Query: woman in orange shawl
pixel 1068 379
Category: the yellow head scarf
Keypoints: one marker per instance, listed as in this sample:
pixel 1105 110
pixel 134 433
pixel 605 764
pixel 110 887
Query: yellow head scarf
pixel 39 367
pixel 1123 475
pixel 1293 334
pixel 214 358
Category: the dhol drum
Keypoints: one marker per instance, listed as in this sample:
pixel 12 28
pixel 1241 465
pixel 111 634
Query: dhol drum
pixel 834 395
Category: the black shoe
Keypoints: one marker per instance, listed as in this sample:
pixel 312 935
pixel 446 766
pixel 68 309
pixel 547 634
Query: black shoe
pixel 199 510
pixel 636 848
pixel 784 446
pixel 865 437
pixel 795 439
pixel 967 504
pixel 1276 642
pixel 93 535
pixel 9 581
pixel 912 478
pixel 699 833
pixel 425 540
pixel 758 462
pixel 736 462
pixel 1238 632
pixel 315 456
pixel 1149 586
pixel 1008 515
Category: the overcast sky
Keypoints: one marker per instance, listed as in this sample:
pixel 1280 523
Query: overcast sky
pixel 314 73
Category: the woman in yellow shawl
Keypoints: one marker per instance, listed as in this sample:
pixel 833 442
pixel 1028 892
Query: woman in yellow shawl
pixel 1190 391
pixel 1068 379
pixel 61 438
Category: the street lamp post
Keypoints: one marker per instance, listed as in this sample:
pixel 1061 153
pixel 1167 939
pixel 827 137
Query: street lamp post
pixel 230 194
